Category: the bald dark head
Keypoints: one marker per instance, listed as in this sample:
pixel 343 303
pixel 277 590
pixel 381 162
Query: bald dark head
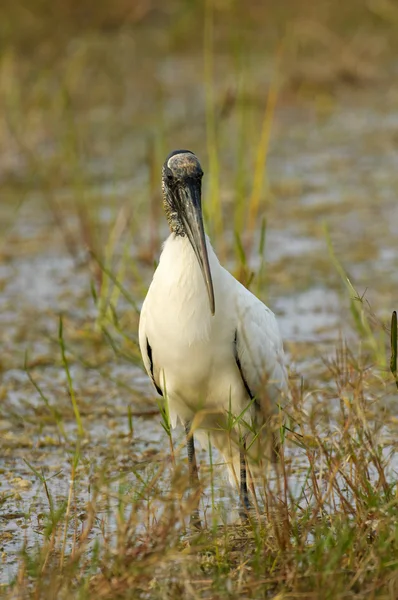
pixel 181 165
pixel 181 181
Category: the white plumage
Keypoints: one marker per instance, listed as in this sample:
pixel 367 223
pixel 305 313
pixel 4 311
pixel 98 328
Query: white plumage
pixel 210 367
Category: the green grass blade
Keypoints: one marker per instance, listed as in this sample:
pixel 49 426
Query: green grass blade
pixel 76 411
pixel 394 336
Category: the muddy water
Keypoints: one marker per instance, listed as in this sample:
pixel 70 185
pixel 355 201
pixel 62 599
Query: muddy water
pixel 340 170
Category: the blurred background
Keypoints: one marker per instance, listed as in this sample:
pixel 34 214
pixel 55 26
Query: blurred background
pixel 292 108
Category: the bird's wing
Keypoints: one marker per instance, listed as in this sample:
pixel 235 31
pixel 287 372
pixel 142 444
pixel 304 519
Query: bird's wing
pixel 146 349
pixel 259 353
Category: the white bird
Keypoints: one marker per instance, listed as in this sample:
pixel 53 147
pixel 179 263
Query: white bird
pixel 212 349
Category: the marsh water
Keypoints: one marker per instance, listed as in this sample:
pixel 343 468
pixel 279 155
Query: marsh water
pixel 331 164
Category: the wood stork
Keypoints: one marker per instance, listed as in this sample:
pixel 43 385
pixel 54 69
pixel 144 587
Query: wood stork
pixel 212 349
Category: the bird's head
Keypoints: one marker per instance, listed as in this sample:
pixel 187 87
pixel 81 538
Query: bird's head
pixel 182 201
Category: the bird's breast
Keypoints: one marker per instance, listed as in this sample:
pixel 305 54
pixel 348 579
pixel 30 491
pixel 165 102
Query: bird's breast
pixel 193 350
pixel 177 301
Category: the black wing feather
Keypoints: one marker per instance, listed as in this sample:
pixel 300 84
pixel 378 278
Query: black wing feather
pixel 248 390
pixel 149 352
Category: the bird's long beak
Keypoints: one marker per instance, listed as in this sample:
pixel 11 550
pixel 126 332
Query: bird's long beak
pixel 192 219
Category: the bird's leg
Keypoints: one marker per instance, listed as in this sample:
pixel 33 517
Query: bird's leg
pixel 193 468
pixel 244 495
pixel 193 474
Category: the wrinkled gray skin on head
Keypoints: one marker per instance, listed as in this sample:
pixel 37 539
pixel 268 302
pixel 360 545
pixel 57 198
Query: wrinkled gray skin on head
pixel 181 183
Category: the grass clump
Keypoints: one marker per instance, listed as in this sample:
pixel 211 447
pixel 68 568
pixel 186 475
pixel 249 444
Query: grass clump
pixel 328 525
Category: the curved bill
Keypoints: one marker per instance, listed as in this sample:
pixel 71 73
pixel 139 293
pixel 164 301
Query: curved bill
pixel 191 215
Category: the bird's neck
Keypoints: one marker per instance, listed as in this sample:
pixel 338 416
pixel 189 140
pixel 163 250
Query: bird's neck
pixel 179 278
pixel 173 218
pixel 179 260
